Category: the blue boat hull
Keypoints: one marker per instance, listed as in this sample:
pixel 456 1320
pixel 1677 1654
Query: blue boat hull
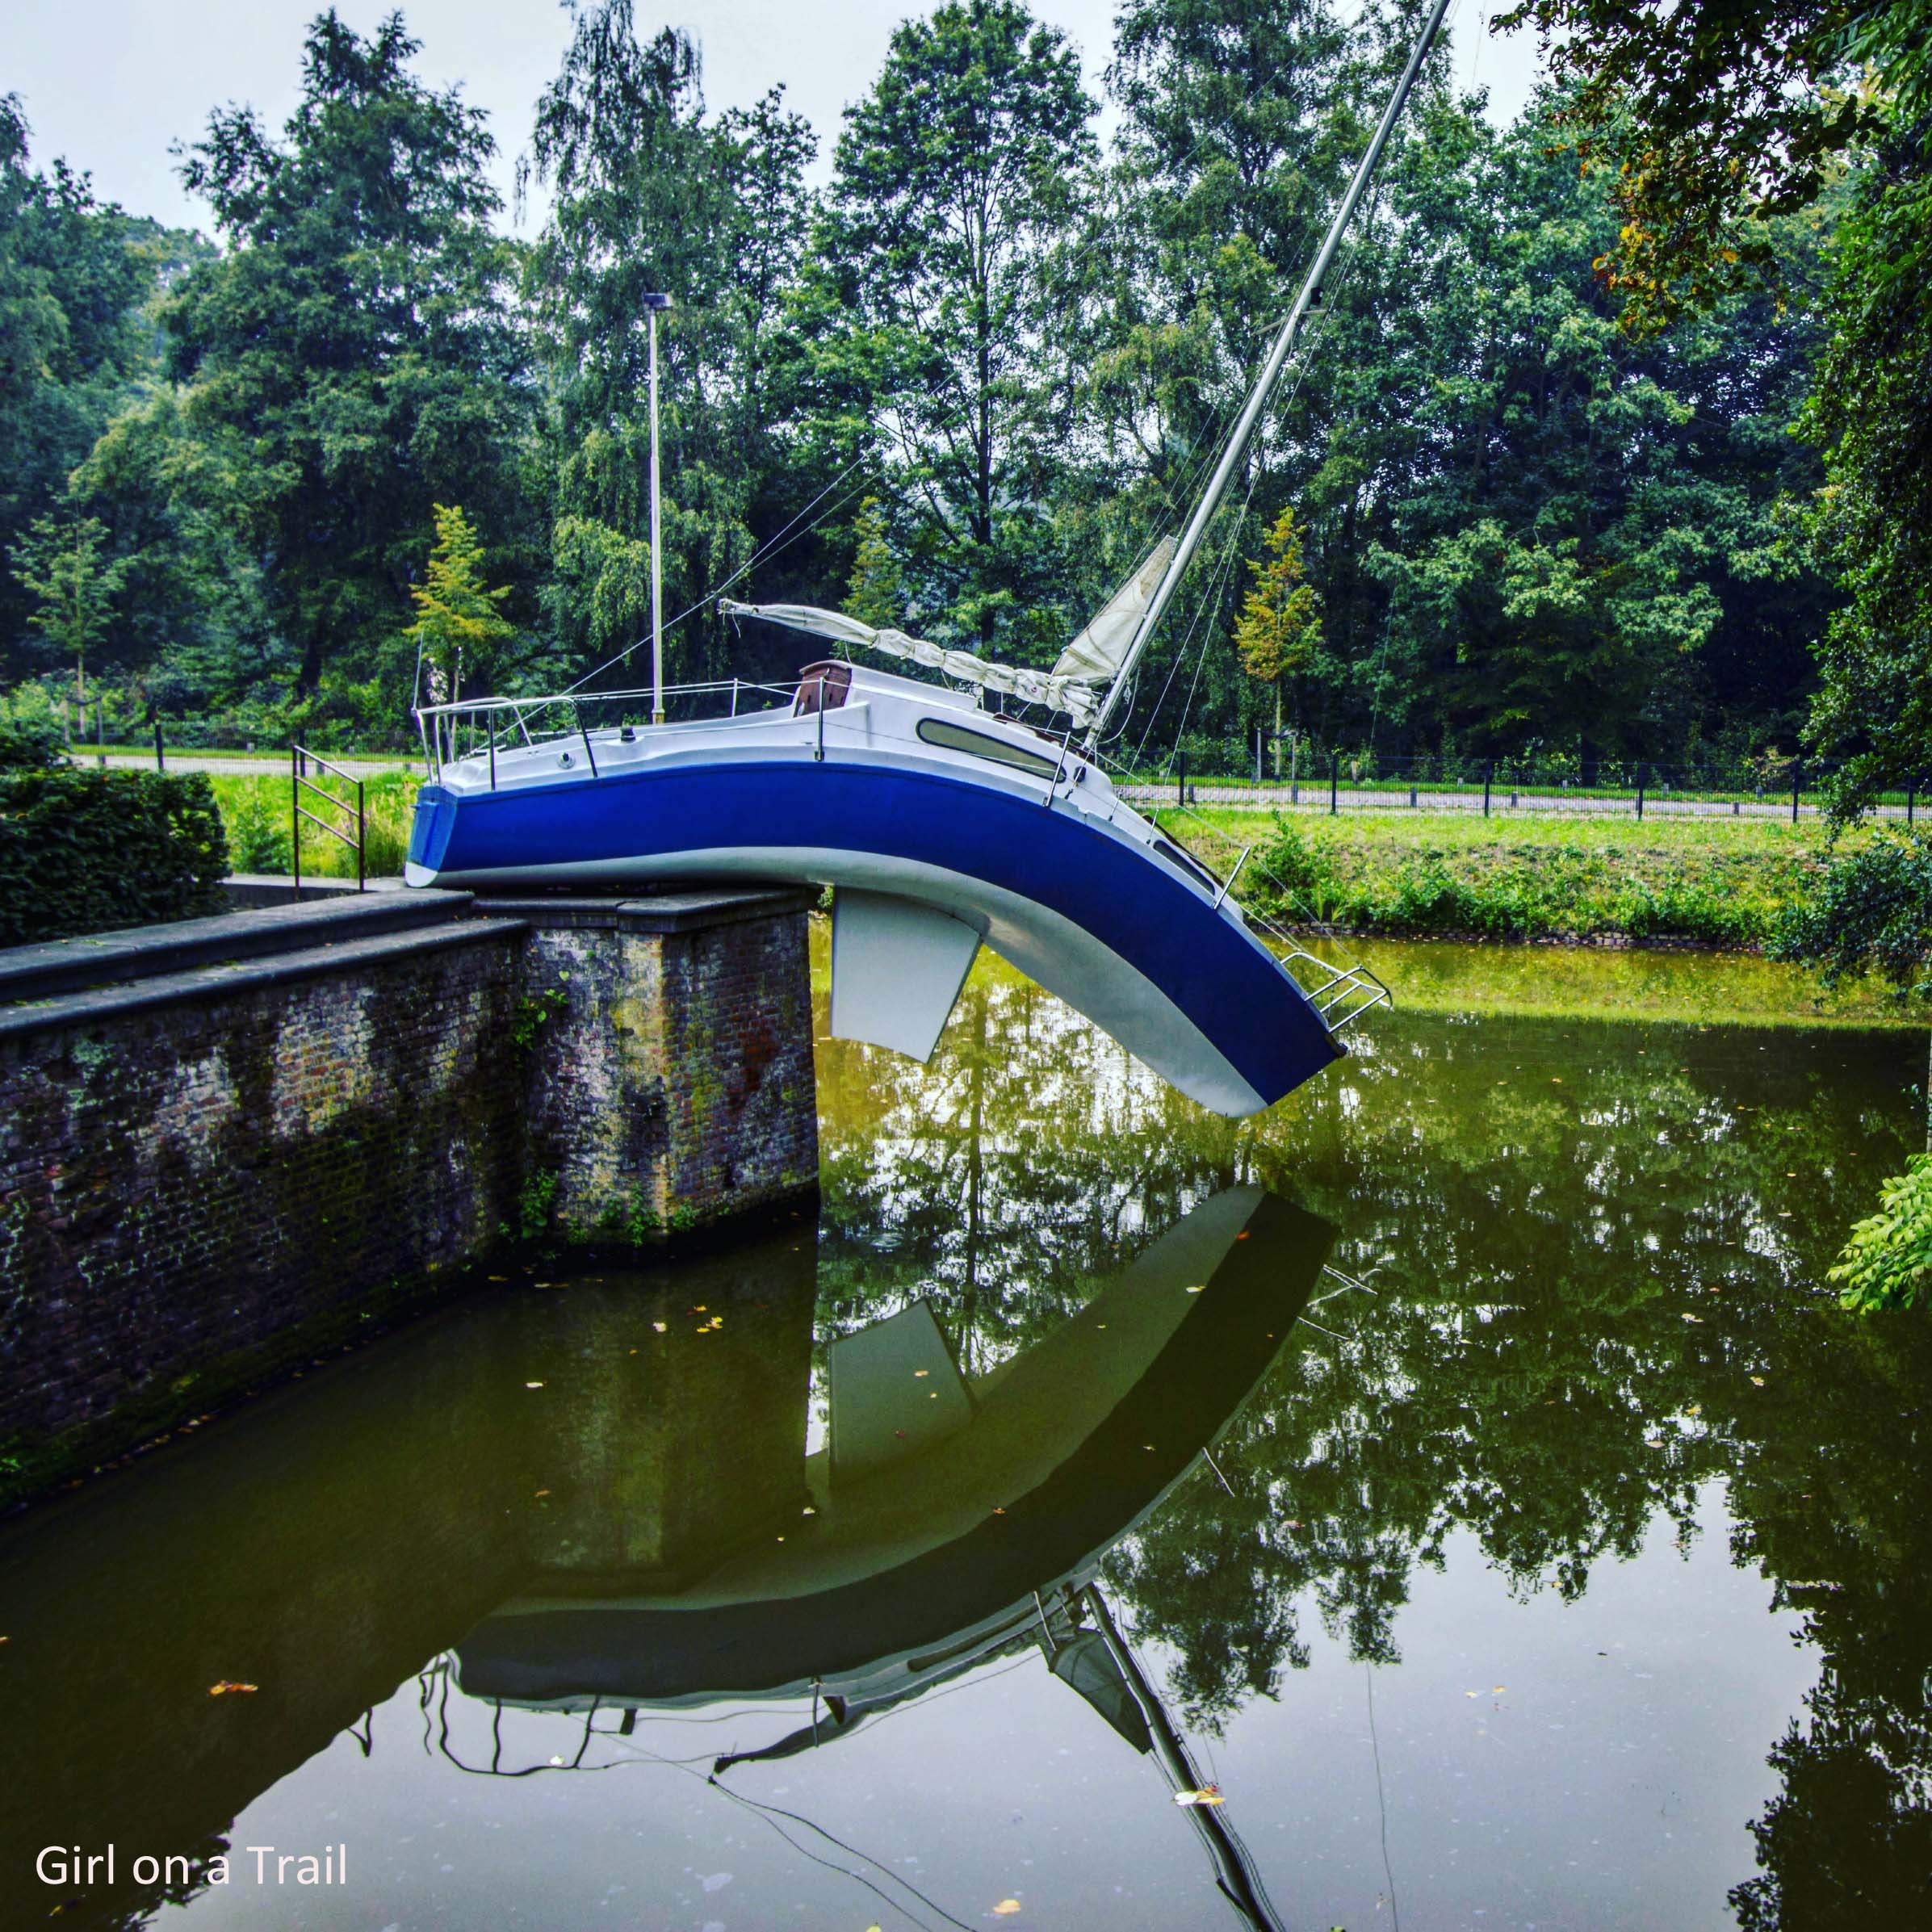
pixel 1091 915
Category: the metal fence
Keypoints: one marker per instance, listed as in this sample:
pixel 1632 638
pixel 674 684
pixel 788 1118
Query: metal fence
pixel 1335 781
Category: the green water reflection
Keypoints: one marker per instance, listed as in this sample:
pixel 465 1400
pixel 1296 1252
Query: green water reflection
pixel 1572 1384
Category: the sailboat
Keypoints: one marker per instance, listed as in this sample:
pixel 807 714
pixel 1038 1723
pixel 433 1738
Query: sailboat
pixel 941 826
pixel 953 1520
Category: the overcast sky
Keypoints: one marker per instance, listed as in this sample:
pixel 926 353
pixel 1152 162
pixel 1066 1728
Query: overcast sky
pixel 111 84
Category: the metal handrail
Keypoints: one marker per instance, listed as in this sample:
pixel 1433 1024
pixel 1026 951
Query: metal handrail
pixel 299 757
pixel 1349 991
pixel 439 725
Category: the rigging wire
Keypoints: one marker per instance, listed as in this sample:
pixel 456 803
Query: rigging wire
pixel 1375 1746
pixel 1311 338
pixel 781 541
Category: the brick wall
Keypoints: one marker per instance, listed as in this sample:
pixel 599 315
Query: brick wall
pixel 203 1176
pixel 671 1075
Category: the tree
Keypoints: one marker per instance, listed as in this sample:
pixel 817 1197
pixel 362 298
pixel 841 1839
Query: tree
pixel 649 196
pixel 70 285
pixel 356 337
pixel 1870 412
pixel 877 593
pixel 459 624
pixel 956 177
pixel 1279 629
pixel 1713 120
pixel 60 562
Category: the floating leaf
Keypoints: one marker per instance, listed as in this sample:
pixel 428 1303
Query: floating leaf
pixel 1758 1381
pixel 661 1326
pixel 533 1385
pixel 226 1689
pixel 1208 1794
pixel 1499 1689
pixel 922 1372
pixel 1008 1907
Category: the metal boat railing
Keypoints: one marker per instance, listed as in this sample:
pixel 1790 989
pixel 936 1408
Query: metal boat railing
pixel 472 727
pixel 1340 994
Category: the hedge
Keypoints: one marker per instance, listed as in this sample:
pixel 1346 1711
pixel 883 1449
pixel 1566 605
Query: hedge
pixel 86 851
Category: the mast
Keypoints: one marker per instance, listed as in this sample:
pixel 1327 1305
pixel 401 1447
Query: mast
pixel 1250 414
pixel 656 304
pixel 1232 1876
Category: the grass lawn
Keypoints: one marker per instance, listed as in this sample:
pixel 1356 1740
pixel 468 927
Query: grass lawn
pixel 1720 882
pixel 255 812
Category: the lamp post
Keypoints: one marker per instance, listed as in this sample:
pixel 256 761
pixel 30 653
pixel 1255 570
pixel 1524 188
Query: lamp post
pixel 656 304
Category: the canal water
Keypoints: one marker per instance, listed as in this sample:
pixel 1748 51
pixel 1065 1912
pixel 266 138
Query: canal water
pixel 1463 1474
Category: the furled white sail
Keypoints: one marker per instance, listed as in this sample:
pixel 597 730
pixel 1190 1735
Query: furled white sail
pixel 1072 695
pixel 1094 655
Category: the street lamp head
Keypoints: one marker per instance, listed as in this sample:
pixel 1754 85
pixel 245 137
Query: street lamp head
pixel 657 302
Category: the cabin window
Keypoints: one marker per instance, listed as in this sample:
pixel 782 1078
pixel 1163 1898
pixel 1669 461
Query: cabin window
pixel 957 738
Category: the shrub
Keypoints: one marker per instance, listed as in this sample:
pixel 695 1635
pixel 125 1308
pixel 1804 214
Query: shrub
pixel 257 834
pixel 84 852
pixel 1872 909
pixel 29 744
pixel 1887 1261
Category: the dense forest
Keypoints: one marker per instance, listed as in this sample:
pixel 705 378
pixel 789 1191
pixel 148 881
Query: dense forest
pixel 1539 502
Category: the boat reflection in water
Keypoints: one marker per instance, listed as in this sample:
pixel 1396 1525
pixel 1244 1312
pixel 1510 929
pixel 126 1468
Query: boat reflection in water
pixel 946 1522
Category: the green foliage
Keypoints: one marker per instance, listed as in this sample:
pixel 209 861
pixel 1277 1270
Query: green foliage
pixel 258 829
pixel 651 196
pixel 1280 631
pixel 70 287
pixel 535 1200
pixel 27 743
pixel 877 592
pixel 930 284
pixel 1871 412
pixel 87 852
pixel 355 339
pixel 1887 1257
pixel 73 587
pixel 535 1011
pixel 457 615
pixel 1712 120
pixel 255 810
pixel 1529 531
pixel 1372 876
pixel 1871 911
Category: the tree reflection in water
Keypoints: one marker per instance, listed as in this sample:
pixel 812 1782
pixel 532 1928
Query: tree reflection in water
pixel 1593 1254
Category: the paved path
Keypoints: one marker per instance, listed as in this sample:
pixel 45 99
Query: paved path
pixel 243 768
pixel 1502 802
